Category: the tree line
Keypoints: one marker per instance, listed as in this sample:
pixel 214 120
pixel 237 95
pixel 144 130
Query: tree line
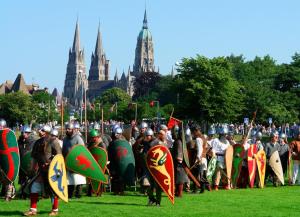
pixel 208 90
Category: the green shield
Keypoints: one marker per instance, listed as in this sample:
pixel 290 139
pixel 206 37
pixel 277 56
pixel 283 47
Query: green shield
pixel 81 161
pixel 238 157
pixel 9 154
pixel 100 156
pixel 124 160
pixel 26 163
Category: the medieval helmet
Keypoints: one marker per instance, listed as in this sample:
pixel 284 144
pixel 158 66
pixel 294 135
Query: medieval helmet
pixel 149 132
pixel 282 136
pixel 54 132
pixel 163 127
pixel 274 133
pixel 93 133
pixel 114 127
pixel 46 128
pixel 70 126
pixel 253 133
pixel 76 125
pixel 118 130
pixel 258 135
pixel 143 125
pixel 26 129
pixel 2 123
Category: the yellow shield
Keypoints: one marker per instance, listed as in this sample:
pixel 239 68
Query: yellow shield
pixel 57 177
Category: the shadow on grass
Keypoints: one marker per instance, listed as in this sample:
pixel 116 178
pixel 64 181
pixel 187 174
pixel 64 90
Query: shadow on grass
pixel 108 203
pixel 10 213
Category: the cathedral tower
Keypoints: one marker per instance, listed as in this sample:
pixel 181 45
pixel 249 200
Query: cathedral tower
pixel 99 70
pixel 144 55
pixel 76 81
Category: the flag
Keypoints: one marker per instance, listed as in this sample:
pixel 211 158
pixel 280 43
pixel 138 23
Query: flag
pixel 112 108
pixel 83 106
pixel 172 122
pixel 151 104
pixel 92 106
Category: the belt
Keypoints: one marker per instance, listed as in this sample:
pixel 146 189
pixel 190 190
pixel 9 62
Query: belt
pixel 220 154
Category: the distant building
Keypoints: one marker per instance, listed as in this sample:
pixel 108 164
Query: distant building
pixel 144 51
pixel 18 85
pixel 76 82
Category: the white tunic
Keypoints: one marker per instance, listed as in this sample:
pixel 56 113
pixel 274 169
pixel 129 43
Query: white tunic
pixel 219 147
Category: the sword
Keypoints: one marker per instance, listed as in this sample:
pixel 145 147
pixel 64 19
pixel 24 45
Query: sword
pixel 189 173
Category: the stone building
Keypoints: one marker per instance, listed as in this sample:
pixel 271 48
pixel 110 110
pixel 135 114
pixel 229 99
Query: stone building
pixel 76 82
pixel 18 85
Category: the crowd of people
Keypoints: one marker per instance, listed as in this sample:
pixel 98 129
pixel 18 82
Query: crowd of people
pixel 47 141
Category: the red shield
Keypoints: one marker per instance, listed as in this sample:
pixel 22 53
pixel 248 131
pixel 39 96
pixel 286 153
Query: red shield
pixel 252 164
pixel 160 164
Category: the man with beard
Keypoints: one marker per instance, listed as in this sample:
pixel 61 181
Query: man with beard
pixel 180 174
pixel 270 148
pixel 43 151
pixel 136 148
pixel 25 145
pixel 201 161
pixel 72 138
pixel 117 181
pixel 149 137
pixel 283 151
pixel 219 146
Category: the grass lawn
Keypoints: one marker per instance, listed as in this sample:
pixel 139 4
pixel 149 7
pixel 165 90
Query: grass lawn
pixel 281 201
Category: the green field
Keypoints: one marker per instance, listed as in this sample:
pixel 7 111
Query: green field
pixel 281 201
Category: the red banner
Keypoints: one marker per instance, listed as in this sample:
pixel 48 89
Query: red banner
pixel 172 122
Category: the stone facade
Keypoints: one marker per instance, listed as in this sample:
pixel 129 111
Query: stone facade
pixel 144 52
pixel 98 79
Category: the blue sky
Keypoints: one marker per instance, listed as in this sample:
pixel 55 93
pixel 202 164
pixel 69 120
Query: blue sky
pixel 36 35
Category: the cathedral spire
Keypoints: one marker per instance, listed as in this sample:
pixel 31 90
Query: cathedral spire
pixel 76 42
pixel 145 22
pixel 98 48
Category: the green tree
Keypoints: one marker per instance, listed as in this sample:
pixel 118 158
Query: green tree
pixel 47 110
pixel 18 107
pixel 113 95
pixel 208 90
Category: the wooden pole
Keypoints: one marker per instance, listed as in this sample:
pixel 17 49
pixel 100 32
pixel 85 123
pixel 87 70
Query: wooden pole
pixel 85 117
pixel 102 122
pixel 135 116
pixel 62 114
pixel 172 112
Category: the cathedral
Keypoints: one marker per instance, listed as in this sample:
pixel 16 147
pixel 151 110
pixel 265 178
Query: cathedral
pixel 77 82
